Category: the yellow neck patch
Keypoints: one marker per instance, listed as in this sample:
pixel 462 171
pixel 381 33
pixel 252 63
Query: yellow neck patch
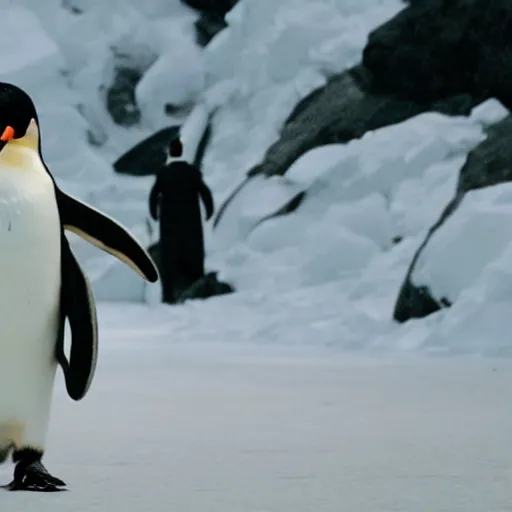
pixel 22 153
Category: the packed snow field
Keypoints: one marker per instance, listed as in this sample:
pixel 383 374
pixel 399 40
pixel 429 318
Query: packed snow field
pixel 211 427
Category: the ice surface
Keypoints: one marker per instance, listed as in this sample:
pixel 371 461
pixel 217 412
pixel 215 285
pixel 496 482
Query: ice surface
pixel 194 424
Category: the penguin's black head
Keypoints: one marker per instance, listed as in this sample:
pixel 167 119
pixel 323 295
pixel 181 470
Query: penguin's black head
pixel 16 112
pixel 175 147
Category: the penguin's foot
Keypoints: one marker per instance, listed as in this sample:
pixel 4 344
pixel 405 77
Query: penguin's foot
pixel 31 475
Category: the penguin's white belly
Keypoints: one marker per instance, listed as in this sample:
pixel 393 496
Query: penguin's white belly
pixel 29 304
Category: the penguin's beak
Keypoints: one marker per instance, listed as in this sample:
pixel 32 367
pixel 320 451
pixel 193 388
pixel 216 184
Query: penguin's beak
pixel 7 135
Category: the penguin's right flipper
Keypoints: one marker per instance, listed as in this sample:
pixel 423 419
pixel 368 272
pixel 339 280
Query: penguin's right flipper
pixel 207 198
pixel 77 305
pixel 105 233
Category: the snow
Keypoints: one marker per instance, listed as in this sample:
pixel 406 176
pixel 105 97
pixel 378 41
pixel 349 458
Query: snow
pixel 353 209
pixel 275 65
pixel 181 424
pixel 333 266
pixel 450 262
pixel 177 76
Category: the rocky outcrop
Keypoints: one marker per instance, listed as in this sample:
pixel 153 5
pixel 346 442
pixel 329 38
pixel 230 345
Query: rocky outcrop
pixel 147 156
pixel 344 109
pixel 216 6
pixel 206 287
pixel 490 163
pixel 417 301
pixel 120 97
pixel 207 26
pixel 438 48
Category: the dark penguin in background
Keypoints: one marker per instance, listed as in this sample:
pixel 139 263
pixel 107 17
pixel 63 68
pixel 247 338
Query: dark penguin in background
pixel 174 201
pixel 42 286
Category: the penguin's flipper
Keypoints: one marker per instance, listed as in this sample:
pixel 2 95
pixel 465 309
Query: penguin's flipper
pixel 207 198
pixel 77 305
pixel 105 233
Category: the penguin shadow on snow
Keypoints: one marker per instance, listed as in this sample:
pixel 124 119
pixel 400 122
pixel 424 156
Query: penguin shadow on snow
pixel 179 254
pixel 46 284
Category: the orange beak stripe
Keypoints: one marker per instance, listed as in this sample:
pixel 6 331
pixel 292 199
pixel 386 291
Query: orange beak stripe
pixel 8 134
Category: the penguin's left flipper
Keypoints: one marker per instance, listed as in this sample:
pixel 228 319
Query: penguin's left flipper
pixel 105 233
pixel 77 305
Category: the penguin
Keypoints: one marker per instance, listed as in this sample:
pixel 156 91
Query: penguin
pixel 174 201
pixel 42 287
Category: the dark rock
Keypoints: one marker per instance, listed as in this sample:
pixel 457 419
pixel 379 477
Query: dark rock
pixel 206 287
pixel 287 208
pixel 341 111
pixel 120 97
pixel 207 26
pixel 147 156
pixel 220 7
pixel 490 163
pixel 433 49
pixel 416 301
pixel 69 6
pixel 181 110
pixel 344 109
pixel 211 20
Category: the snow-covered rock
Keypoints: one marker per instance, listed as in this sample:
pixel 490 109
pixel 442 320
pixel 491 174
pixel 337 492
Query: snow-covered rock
pixel 385 161
pixel 274 65
pixel 468 234
pixel 359 199
pixel 476 234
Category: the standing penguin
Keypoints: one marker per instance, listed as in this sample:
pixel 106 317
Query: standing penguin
pixel 42 285
pixel 174 200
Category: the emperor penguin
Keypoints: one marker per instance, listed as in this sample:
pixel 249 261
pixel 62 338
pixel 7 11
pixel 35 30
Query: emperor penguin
pixel 41 287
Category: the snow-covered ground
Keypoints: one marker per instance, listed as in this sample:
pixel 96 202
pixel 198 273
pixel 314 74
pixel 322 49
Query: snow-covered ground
pixel 212 427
